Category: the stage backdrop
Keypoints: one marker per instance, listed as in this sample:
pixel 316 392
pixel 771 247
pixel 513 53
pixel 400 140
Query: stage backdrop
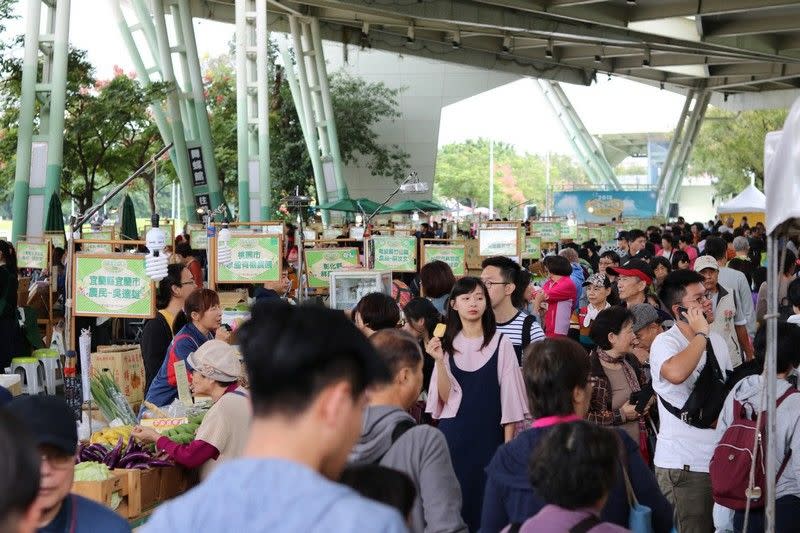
pixel 602 206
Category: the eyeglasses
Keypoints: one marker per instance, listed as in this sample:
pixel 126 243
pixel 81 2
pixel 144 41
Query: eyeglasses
pixel 490 283
pixel 57 460
pixel 700 299
pixel 187 283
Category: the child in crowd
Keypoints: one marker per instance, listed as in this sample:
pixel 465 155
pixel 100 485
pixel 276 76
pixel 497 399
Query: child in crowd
pixel 557 297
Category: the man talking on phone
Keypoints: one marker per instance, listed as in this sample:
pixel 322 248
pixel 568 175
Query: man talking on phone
pixel 690 367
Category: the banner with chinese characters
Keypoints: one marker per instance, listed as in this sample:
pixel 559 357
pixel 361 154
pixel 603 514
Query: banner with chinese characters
pixel 113 285
pixel 30 255
pixel 198 239
pixel 398 254
pixel 582 234
pixel 249 259
pixel 569 231
pixel 455 255
pixel 533 248
pixel 321 262
pixel 499 241
pixel 548 231
pixel 96 247
pixel 58 239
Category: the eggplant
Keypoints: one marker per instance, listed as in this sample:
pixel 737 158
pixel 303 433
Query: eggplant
pixel 95 452
pixel 113 456
pixel 133 458
pixel 161 462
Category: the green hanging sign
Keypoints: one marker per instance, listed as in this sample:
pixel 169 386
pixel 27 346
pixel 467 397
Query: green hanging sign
pixel 548 231
pixel 114 285
pixel 249 259
pixel 96 247
pixel 199 239
pixel 455 255
pixel 582 234
pixel 30 255
pixel 533 248
pixel 321 262
pixel 397 254
pixel 569 231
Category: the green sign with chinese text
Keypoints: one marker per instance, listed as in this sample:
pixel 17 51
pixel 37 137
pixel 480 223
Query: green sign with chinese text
pixel 30 255
pixel 455 255
pixel 533 248
pixel 112 285
pixel 320 262
pixel 398 254
pixel 249 259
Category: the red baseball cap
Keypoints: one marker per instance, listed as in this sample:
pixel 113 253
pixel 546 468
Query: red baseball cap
pixel 635 268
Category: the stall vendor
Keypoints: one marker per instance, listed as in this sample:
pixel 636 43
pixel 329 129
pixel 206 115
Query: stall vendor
pixel 223 431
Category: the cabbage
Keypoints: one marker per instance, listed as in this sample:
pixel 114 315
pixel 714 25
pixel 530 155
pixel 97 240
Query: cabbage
pixel 94 471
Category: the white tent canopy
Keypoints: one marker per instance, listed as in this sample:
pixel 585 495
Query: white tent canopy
pixel 750 200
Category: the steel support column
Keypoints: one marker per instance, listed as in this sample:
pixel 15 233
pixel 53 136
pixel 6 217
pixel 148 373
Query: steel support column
pixel 58 96
pixel 262 102
pixel 243 166
pixel 673 148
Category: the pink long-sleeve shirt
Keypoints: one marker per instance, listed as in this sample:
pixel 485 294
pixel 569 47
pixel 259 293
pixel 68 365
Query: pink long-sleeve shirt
pixel 470 357
pixel 561 296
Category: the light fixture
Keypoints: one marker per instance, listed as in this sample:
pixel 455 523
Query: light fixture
pixel 631 2
pixel 661 85
pixel 548 51
pixel 646 58
pixel 410 34
pixel 365 28
pixel 457 39
pixel 224 253
pixel 598 59
pixel 156 262
pixel 507 44
pixel 413 184
pixel 415 216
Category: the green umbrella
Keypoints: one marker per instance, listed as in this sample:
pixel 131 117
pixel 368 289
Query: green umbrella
pixel 432 206
pixel 127 226
pixel 409 206
pixel 55 217
pixel 353 205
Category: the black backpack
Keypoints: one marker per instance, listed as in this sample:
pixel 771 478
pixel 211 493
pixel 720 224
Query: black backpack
pixel 705 402
pixel 526 331
pixel 399 430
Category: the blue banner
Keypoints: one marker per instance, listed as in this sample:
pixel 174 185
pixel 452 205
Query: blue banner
pixel 602 206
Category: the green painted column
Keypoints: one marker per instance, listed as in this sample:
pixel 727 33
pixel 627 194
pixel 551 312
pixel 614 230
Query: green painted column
pixel 58 95
pixel 243 167
pixel 30 67
pixel 262 44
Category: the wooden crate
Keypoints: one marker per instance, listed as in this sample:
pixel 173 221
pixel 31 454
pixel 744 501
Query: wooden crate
pixel 100 491
pixel 142 488
pixel 174 482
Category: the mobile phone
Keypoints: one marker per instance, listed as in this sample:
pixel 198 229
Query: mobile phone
pixel 681 311
pixel 634 397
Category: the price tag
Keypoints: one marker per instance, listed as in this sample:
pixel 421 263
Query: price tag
pixel 184 394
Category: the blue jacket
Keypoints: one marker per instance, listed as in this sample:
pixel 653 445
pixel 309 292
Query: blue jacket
pixel 578 279
pixel 510 498
pixel 163 390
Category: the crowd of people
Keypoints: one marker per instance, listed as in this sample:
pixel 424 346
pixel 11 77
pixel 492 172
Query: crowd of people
pixel 494 402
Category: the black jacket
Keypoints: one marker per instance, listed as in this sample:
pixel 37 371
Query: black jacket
pixel 156 337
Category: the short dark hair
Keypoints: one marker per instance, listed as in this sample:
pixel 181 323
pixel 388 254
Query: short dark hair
pixel 437 279
pixel 418 308
pixel 183 249
pixel 793 292
pixel 292 353
pixel 610 320
pixel 509 269
pixel 558 265
pixel 612 255
pixel 173 279
pixel 523 281
pixel 789 263
pixel 575 464
pixel 397 348
pixel 19 470
pixel 787 354
pixel 552 369
pixel 660 260
pixel 673 289
pixel 716 248
pixel 378 311
pixel 669 237
pixel 679 256
pixel 467 285
pixel 635 234
pixel 686 237
pixel 382 484
pixel 200 301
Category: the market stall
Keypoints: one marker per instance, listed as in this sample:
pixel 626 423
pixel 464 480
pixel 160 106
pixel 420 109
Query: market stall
pixel 750 203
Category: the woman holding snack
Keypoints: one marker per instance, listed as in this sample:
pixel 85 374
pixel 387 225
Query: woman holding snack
pixel 203 309
pixel 476 391
pixel 223 432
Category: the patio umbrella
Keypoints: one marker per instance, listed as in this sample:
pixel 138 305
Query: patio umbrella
pixel 55 217
pixel 432 206
pixel 353 205
pixel 409 206
pixel 127 226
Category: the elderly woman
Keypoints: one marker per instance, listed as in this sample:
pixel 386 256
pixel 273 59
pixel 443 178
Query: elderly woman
pixel 223 432
pixel 556 375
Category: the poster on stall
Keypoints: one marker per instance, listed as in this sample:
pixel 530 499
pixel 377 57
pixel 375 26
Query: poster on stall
pixel 569 231
pixel 113 285
pixel 533 248
pixel 250 259
pixel 501 241
pixel 96 247
pixel 58 239
pixel 322 261
pixel 455 255
pixel 548 231
pixel 30 255
pixel 596 233
pixel 582 234
pixel 609 233
pixel 397 254
pixel 198 239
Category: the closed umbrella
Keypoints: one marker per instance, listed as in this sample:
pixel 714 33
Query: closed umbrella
pixel 127 226
pixel 55 217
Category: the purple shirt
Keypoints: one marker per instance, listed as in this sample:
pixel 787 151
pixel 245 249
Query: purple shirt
pixel 555 519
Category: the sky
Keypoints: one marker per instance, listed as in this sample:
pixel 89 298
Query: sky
pixel 516 113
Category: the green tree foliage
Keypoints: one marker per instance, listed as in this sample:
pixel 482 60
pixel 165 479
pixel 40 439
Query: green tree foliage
pixel 104 140
pixel 6 14
pixel 730 147
pixel 462 172
pixel 358 107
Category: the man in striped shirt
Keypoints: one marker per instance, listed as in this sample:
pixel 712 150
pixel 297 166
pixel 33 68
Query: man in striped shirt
pixel 502 276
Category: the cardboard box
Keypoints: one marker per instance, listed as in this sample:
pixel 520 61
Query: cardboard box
pixel 126 367
pixel 13 382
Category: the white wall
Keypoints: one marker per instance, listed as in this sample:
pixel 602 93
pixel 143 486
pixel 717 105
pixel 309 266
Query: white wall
pixel 695 203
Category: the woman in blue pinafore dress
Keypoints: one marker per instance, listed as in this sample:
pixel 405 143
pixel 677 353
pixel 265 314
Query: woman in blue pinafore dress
pixel 476 391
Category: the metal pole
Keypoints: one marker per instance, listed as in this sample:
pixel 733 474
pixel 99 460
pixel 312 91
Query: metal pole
pixel 491 177
pixel 188 102
pixel 173 109
pixel 692 129
pixel 309 59
pixel 27 109
pixel 58 96
pixel 311 139
pixel 327 107
pixel 196 83
pixel 262 66
pixel 770 376
pixel 676 140
pixel 547 184
pixel 243 170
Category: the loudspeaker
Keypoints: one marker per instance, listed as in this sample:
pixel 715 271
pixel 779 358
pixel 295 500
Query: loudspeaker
pixel 673 210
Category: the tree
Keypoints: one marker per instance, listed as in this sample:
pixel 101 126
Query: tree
pixel 108 131
pixel 6 14
pixel 730 147
pixel 358 107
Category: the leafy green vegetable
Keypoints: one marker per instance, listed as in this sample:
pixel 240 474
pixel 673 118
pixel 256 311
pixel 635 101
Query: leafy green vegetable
pixel 91 471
